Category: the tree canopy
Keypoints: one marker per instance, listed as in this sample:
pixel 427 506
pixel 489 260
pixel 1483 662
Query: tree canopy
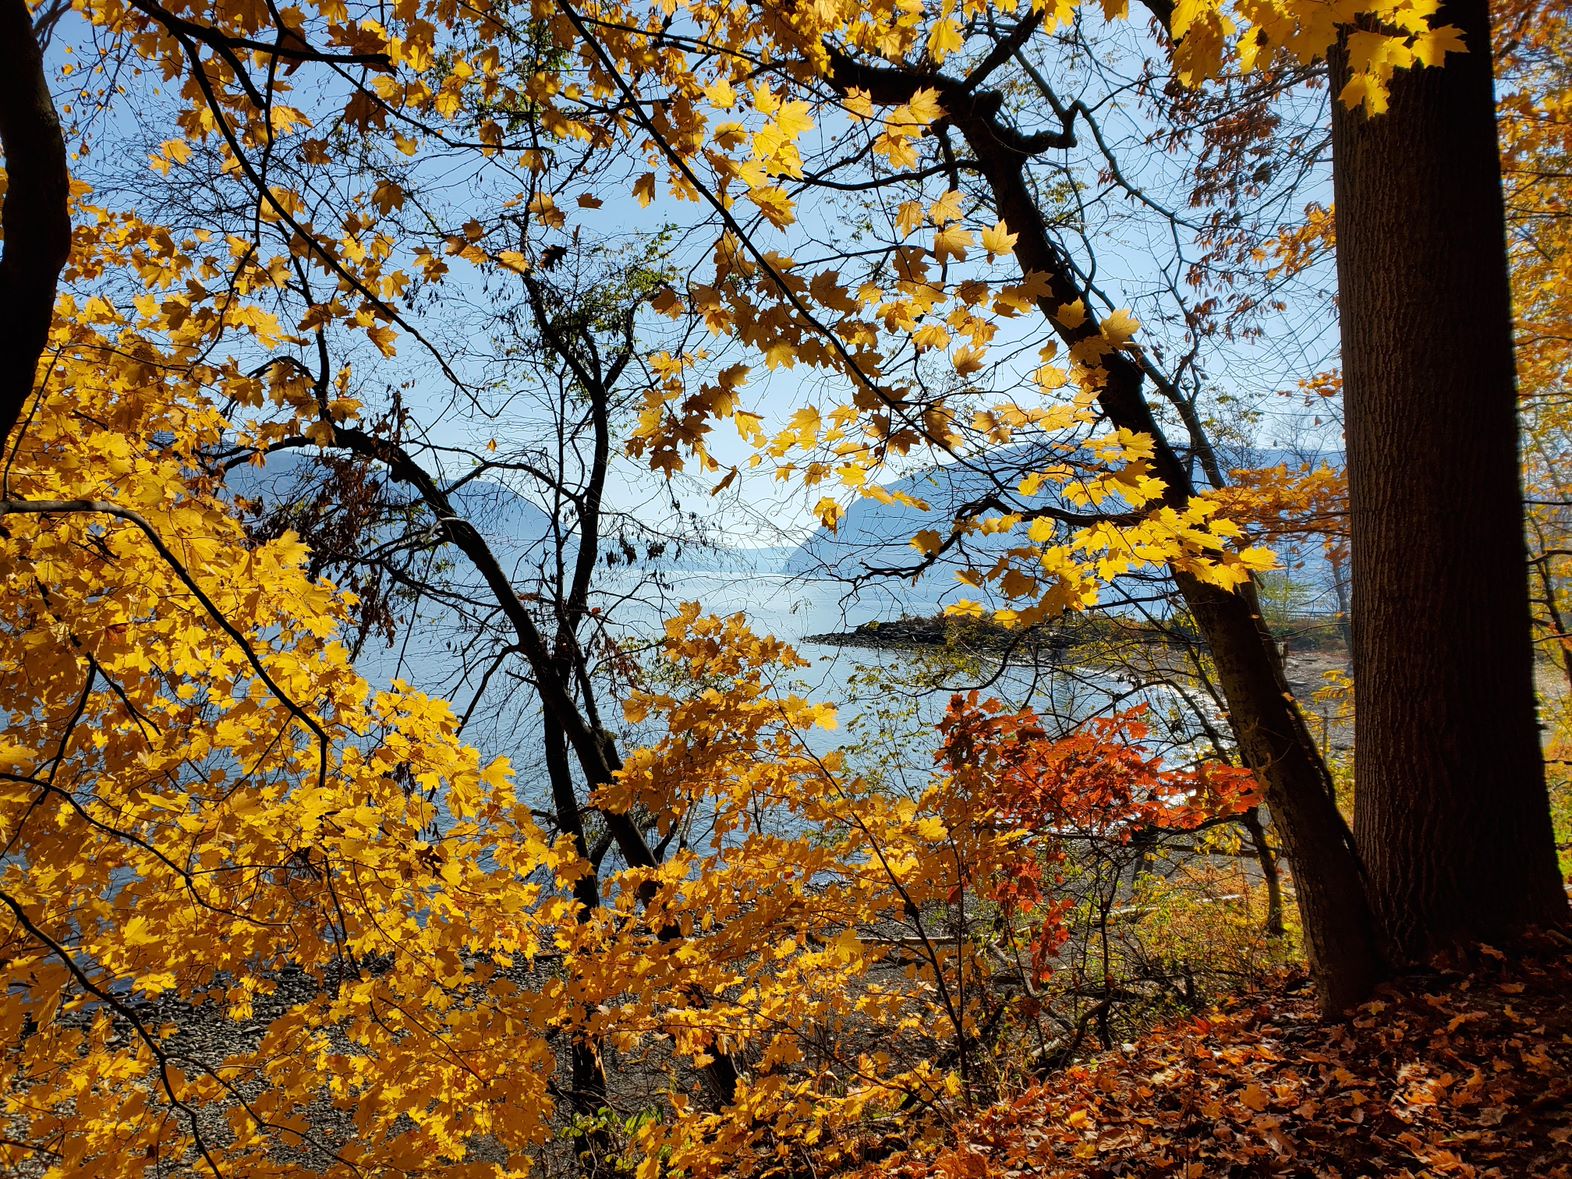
pixel 573 887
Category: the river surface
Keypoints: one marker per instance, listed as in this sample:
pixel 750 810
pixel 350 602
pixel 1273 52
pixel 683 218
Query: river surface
pixel 889 699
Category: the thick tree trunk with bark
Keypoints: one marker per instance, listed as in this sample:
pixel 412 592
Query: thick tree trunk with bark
pixel 1452 817
pixel 36 220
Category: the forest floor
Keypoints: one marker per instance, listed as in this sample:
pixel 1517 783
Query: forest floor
pixel 1464 1072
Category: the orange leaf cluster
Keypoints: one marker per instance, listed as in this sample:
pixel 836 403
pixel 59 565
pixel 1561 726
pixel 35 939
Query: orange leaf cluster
pixel 1100 778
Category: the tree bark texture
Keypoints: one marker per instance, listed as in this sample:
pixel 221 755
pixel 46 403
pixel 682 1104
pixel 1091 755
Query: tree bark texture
pixel 1267 859
pixel 1451 813
pixel 36 218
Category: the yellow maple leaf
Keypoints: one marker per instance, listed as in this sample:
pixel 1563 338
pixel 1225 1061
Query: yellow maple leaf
pixel 387 196
pixel 644 189
pixel 1119 327
pixel 952 242
pixel 946 209
pixel 998 240
pixel 923 108
pixel 944 38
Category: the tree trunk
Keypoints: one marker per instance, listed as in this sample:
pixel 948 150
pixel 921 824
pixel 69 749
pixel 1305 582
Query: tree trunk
pixel 1340 930
pixel 1268 861
pixel 36 221
pixel 1274 741
pixel 1340 590
pixel 1451 814
pixel 586 1075
pixel 1271 733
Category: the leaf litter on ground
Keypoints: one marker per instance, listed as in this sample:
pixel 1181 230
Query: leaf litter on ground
pixel 1461 1072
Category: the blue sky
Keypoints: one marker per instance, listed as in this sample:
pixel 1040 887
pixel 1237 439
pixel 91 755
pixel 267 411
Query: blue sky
pixel 1135 254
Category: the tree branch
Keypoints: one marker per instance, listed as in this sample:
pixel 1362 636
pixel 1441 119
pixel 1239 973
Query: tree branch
pixel 50 507
pixel 596 754
pixel 290 45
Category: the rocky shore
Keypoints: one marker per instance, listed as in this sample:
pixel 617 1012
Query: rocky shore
pixel 939 631
pixel 1126 650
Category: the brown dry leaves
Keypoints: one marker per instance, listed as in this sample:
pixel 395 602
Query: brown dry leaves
pixel 1447 1074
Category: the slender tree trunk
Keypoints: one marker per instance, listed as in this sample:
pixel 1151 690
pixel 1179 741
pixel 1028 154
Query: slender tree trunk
pixel 586 1075
pixel 1268 861
pixel 1272 736
pixel 1550 624
pixel 36 219
pixel 1275 742
pixel 1451 811
pixel 1340 589
pixel 1340 931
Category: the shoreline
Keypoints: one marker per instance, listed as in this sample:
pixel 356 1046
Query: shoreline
pixel 1128 650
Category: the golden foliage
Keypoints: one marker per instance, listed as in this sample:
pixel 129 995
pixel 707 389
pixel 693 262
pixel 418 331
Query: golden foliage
pixel 200 795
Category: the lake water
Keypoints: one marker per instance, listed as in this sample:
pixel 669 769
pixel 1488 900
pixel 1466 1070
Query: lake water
pixel 889 700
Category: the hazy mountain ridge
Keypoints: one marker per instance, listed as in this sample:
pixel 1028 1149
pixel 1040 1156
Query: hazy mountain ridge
pixel 518 529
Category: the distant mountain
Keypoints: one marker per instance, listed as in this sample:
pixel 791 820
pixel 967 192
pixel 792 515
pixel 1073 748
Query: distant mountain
pixel 519 530
pixel 516 523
